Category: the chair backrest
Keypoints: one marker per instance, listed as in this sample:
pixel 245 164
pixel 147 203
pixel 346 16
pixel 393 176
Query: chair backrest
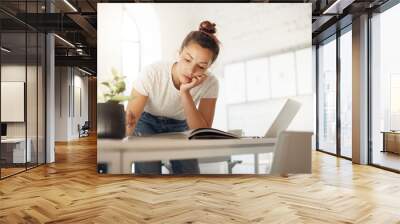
pixel 86 125
pixel 292 153
pixel 284 118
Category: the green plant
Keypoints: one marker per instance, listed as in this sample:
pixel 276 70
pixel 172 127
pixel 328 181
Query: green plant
pixel 116 86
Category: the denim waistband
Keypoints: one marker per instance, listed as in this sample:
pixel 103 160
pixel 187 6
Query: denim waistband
pixel 150 124
pixel 160 119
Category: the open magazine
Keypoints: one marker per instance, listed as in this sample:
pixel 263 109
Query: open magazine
pixel 210 133
pixel 199 133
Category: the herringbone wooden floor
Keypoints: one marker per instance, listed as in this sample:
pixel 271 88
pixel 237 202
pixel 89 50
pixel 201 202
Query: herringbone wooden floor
pixel 70 191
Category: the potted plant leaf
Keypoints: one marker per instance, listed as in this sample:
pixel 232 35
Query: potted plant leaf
pixel 110 112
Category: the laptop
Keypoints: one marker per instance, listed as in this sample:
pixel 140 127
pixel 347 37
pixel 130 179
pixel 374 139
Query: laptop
pixel 3 131
pixel 284 118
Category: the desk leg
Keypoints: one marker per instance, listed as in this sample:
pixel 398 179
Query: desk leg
pixel 126 164
pixel 256 163
pixel 384 142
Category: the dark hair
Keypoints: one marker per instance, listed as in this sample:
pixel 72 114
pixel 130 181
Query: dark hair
pixel 205 37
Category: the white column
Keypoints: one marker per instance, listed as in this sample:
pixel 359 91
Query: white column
pixel 50 101
pixel 50 92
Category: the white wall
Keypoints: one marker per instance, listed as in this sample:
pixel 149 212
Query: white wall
pixel 245 30
pixel 67 80
pixel 175 23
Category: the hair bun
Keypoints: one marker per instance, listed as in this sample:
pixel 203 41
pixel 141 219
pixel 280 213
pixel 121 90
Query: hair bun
pixel 208 27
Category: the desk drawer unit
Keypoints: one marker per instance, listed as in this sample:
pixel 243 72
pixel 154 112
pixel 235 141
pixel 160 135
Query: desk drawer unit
pixel 391 142
pixel 19 154
pixel 14 152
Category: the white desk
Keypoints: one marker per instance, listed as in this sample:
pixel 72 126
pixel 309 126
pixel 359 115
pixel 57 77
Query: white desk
pixel 19 149
pixel 119 154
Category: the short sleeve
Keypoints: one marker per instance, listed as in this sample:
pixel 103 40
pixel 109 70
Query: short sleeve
pixel 212 88
pixel 144 82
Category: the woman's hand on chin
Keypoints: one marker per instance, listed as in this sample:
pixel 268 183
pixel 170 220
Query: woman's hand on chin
pixel 130 121
pixel 195 82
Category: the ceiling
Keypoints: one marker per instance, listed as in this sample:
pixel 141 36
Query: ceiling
pixel 76 22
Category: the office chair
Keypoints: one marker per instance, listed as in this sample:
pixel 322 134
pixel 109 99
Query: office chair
pixel 84 130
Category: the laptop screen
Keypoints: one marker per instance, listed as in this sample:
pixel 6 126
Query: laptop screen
pixel 284 118
pixel 3 129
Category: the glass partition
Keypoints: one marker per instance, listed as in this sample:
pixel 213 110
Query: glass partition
pixel 13 86
pixel 31 98
pixel 41 91
pixel 22 90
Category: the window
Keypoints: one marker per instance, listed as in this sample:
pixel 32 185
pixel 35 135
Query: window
pixel 303 71
pixel 394 102
pixel 385 85
pixel 258 87
pixel 327 96
pixel 129 42
pixel 130 50
pixel 346 94
pixel 283 80
pixel 234 75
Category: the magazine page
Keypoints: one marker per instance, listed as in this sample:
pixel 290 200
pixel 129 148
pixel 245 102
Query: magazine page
pixel 211 133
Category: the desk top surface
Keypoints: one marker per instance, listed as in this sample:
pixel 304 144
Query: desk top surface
pixel 170 142
pixel 13 140
pixel 391 132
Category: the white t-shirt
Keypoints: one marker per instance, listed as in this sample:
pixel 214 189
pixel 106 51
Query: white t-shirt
pixel 155 81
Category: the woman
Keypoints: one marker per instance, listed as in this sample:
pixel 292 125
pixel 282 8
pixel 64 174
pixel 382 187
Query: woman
pixel 166 96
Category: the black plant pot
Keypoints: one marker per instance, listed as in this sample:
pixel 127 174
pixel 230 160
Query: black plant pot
pixel 110 120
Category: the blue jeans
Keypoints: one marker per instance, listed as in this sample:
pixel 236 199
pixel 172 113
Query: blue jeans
pixel 149 124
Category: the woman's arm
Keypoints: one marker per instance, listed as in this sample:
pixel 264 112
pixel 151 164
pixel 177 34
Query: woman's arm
pixel 134 110
pixel 198 118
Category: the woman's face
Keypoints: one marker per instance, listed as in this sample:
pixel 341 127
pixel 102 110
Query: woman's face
pixel 193 61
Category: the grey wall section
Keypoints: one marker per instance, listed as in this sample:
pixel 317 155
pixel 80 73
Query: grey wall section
pixel 80 96
pixel 50 99
pixel 62 81
pixel 360 90
pixel 92 100
pixel 71 102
